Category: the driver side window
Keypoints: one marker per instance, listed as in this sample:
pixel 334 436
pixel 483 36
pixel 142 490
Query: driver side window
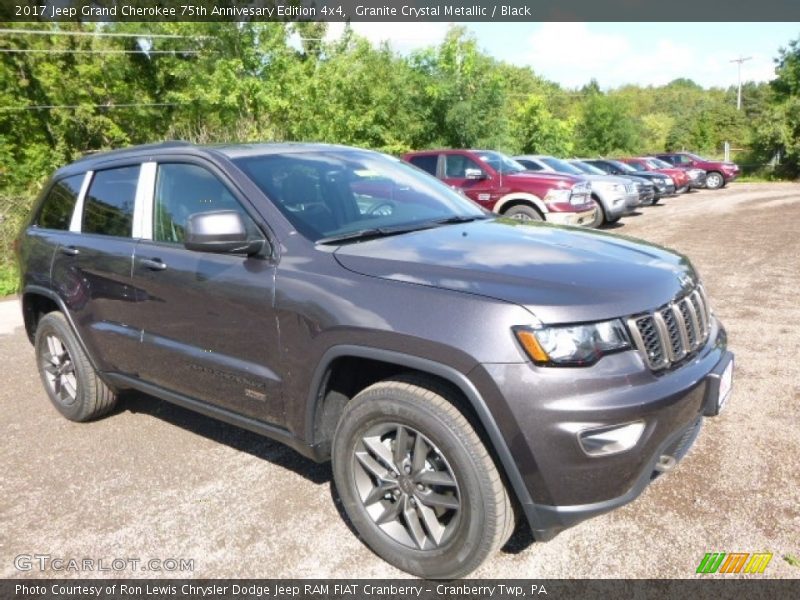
pixel 456 166
pixel 184 189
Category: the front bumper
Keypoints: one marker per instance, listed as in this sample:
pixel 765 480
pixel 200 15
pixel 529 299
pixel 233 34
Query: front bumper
pixel 547 407
pixel 646 195
pixel 632 201
pixel 667 190
pixel 698 182
pixel 582 218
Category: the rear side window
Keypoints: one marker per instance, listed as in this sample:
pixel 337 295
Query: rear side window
pixel 108 208
pixel 426 163
pixel 57 208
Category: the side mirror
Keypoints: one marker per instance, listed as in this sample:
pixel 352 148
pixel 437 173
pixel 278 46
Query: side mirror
pixel 474 174
pixel 221 232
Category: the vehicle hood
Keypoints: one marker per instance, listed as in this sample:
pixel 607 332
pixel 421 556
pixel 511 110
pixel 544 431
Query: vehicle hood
pixel 542 176
pixel 714 164
pixel 560 274
pixel 621 179
pixel 647 175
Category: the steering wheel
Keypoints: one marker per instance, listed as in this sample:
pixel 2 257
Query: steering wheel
pixel 381 209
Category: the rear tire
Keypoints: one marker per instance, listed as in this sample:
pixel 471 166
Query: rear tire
pixel 714 180
pixel 523 212
pixel 68 377
pixel 416 481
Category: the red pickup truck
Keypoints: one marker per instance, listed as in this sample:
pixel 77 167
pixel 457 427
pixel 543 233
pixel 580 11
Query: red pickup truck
pixel 648 163
pixel 718 173
pixel 502 185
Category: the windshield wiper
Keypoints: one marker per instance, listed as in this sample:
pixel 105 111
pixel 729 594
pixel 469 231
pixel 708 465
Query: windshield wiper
pixel 461 219
pixel 373 232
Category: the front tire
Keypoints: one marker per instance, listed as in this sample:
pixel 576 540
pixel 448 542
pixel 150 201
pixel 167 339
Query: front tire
pixel 417 482
pixel 599 215
pixel 67 374
pixel 523 212
pixel 714 180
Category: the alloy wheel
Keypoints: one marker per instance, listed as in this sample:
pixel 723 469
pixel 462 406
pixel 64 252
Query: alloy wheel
pixel 59 370
pixel 714 181
pixel 407 486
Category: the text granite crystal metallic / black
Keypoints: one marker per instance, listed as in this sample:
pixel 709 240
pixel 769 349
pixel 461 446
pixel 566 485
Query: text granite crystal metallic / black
pixel 359 310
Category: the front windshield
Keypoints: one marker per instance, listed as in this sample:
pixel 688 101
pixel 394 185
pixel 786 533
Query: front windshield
pixel 587 168
pixel 623 166
pixel 326 194
pixel 696 157
pixel 637 166
pixel 657 163
pixel 561 166
pixel 500 162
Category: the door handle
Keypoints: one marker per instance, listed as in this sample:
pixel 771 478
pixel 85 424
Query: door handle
pixel 154 264
pixel 70 250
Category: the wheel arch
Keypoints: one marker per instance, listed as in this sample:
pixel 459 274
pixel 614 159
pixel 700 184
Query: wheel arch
pixel 520 197
pixel 400 362
pixel 35 298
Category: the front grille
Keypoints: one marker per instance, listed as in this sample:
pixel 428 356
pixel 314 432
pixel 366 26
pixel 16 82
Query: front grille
pixel 672 332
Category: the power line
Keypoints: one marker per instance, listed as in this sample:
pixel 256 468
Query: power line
pixel 101 34
pixel 75 106
pixel 50 51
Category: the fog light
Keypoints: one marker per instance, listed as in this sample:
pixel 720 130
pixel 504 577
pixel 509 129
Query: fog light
pixel 604 441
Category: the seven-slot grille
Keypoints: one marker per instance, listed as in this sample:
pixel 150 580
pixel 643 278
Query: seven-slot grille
pixel 672 332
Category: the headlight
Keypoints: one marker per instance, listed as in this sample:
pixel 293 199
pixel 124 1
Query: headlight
pixel 573 345
pixel 558 195
pixel 608 186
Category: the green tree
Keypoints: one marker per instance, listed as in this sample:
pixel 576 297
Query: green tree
pixel 605 127
pixel 538 131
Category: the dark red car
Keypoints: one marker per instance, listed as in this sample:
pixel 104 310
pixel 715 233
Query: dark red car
pixel 718 173
pixel 502 185
pixel 648 163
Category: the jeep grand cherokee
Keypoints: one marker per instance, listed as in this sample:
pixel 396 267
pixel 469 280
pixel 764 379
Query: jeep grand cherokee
pixel 459 368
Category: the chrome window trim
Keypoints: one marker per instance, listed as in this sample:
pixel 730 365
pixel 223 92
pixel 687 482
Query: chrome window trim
pixel 76 222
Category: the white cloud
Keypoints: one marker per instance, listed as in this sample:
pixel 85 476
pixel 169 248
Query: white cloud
pixel 572 54
pixel 403 37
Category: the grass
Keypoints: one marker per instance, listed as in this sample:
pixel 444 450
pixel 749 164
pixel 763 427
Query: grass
pixel 13 210
pixel 9 280
pixel 792 560
pixel 757 178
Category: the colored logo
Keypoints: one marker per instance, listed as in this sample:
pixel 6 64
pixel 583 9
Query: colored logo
pixel 734 562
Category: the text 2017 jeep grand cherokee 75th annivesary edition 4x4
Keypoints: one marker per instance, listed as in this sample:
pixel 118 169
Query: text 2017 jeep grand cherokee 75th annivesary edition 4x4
pixel 459 368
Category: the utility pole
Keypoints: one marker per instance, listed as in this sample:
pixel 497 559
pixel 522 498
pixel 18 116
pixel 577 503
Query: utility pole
pixel 740 60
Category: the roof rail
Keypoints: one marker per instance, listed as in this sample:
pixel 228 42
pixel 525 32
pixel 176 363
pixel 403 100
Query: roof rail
pixel 153 146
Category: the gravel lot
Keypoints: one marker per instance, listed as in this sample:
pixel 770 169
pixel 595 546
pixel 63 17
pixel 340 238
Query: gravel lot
pixel 156 481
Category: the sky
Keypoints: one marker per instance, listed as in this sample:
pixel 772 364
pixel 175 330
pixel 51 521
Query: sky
pixel 613 53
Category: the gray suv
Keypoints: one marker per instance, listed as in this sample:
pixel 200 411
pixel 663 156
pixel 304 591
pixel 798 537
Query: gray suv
pixel 462 371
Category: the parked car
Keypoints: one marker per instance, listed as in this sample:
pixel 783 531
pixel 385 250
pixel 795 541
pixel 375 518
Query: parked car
pixel 644 189
pixel 647 163
pixel 718 173
pixel 458 369
pixel 502 185
pixel 664 185
pixel 613 196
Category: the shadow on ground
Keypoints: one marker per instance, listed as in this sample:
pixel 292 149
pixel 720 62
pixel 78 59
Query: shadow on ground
pixel 223 433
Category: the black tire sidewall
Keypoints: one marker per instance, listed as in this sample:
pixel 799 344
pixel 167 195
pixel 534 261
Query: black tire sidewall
pixel 524 209
pixel 55 324
pixel 451 560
